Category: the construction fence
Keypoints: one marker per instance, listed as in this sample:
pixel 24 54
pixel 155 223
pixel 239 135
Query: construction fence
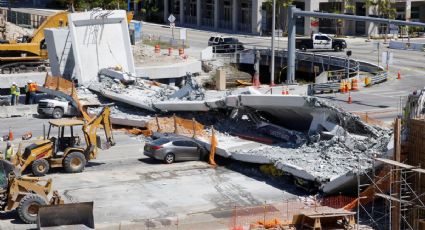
pixel 284 213
pixel 242 217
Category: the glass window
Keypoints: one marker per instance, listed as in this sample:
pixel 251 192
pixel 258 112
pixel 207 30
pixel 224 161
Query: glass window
pixel 185 143
pixel 160 141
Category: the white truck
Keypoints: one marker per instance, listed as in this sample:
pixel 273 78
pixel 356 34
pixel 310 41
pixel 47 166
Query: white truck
pixel 56 108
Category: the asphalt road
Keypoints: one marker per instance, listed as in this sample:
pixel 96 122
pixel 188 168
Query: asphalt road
pixel 381 101
pixel 133 191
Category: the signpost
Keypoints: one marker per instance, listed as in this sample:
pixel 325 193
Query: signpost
pixel 172 19
pixel 387 58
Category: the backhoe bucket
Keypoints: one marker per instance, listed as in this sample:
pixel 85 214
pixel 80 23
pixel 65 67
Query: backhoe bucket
pixel 74 216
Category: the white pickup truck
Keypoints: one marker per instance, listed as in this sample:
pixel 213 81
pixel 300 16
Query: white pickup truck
pixel 56 108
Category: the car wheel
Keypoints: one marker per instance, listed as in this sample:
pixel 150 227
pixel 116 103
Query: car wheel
pixel 40 167
pixel 74 162
pixel 337 48
pixel 169 158
pixel 57 113
pixel 28 208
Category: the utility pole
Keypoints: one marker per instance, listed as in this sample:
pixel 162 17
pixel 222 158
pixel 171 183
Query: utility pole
pixel 273 35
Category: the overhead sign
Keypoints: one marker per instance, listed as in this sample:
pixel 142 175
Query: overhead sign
pixel 171 18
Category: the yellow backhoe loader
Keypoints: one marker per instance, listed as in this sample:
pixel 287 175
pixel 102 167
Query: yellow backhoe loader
pixel 30 51
pixel 66 151
pixel 24 194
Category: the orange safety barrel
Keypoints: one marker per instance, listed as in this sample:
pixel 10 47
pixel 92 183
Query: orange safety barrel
pixel 157 49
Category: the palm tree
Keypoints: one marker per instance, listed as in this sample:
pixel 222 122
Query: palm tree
pixel 280 4
pixel 383 9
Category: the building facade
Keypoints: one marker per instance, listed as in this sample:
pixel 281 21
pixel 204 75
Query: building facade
pixel 254 16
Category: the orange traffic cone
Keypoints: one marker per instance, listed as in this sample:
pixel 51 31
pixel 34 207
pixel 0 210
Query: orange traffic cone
pixel 350 100
pixel 398 75
pixel 354 84
pixel 10 135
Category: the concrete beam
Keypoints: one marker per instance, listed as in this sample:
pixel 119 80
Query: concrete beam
pixel 182 13
pixel 310 5
pixel 198 13
pixel 235 9
pixel 170 106
pixel 216 14
pixel 166 11
pixel 21 79
pixel 256 17
pixel 408 10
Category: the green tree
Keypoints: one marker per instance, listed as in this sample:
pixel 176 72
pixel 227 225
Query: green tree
pixel 280 4
pixel 383 9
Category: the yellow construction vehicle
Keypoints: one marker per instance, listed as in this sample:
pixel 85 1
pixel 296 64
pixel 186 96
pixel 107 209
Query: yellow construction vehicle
pixel 24 194
pixel 30 51
pixel 66 151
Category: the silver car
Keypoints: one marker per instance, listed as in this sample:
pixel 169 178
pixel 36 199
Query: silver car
pixel 175 148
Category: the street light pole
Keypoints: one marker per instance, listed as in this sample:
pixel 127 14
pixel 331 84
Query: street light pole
pixel 273 35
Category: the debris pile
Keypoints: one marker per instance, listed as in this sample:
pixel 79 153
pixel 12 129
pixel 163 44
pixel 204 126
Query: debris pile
pixel 145 93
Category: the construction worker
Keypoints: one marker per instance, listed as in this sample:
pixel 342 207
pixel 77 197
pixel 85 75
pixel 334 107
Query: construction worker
pixel 9 151
pixel 32 89
pixel 14 93
pixel 27 92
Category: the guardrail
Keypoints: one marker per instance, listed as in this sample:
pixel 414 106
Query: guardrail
pixel 330 87
pixel 379 78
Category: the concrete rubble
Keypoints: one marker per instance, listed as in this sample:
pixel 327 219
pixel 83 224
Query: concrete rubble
pixel 301 135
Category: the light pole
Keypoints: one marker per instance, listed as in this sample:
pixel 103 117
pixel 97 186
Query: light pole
pixel 273 35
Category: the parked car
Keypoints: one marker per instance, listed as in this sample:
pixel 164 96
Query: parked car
pixel 320 41
pixel 175 148
pixel 222 44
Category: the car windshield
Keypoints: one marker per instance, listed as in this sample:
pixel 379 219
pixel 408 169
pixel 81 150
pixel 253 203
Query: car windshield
pixel 230 40
pixel 160 141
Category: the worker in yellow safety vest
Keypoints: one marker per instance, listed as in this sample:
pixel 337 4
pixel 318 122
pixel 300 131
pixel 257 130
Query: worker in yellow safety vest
pixel 14 93
pixel 9 151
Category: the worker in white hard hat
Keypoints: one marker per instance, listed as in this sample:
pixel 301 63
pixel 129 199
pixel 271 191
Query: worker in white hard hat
pixel 14 93
pixel 9 151
pixel 30 92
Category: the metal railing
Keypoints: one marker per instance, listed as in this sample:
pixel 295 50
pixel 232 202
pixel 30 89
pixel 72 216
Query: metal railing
pixel 379 78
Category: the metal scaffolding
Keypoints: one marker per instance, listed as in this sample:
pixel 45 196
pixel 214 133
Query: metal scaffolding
pixel 396 201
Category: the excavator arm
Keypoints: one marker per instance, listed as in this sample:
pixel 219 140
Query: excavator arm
pixel 90 129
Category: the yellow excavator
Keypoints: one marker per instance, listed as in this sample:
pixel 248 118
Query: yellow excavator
pixel 30 51
pixel 64 151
